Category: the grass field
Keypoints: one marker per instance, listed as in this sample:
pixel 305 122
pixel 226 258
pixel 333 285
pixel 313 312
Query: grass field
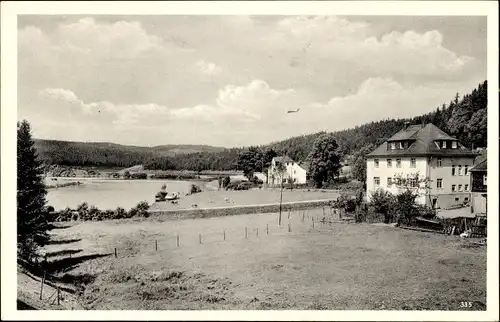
pixel 337 266
pixel 215 198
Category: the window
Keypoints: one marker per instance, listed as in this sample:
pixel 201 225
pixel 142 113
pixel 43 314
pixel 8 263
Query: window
pixel 376 180
pixel 466 170
pixel 400 145
pixel 376 163
pixel 405 144
pixel 413 182
pixel 413 163
pixel 457 199
pixel 452 170
pixel 459 170
pixel 466 199
pixel 454 144
pixel 443 144
pixel 393 145
pixel 389 163
pixel 439 162
pixel 459 187
pixel 398 163
pixel 389 181
pixel 466 187
pixel 484 180
pixel 453 188
pixel 439 183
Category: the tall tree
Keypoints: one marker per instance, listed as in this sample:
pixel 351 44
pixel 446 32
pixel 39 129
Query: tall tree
pixel 32 223
pixel 324 158
pixel 359 162
pixel 267 158
pixel 250 161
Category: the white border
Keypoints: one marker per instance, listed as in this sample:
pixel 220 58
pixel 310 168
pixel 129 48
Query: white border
pixel 9 12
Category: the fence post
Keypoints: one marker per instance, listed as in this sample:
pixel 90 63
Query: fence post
pixel 245 232
pixel 200 237
pixel 224 234
pixel 257 231
pixel 289 227
pixel 116 255
pixel 267 229
pixel 323 211
pixel 289 213
pixel 156 245
pixel 177 239
pixel 303 216
pixel 41 285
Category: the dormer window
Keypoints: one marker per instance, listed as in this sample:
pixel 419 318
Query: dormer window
pixel 405 144
pixel 454 144
pixel 400 145
pixel 393 145
pixel 443 144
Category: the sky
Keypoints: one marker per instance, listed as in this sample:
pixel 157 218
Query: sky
pixel 230 80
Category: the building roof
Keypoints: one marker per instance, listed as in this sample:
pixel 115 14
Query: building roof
pixel 422 143
pixel 406 134
pixel 482 165
pixel 282 159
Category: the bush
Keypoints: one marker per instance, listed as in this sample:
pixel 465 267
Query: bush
pixel 383 202
pixel 346 202
pixel 119 213
pixel 141 175
pixel 240 185
pixel 226 181
pixel 194 189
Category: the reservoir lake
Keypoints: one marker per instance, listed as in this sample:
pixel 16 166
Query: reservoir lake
pixel 109 194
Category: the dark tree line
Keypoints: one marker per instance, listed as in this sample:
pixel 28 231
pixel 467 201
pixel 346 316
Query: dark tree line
pixel 32 213
pixel 465 118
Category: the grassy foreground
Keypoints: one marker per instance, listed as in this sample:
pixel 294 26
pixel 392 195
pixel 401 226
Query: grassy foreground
pixel 337 266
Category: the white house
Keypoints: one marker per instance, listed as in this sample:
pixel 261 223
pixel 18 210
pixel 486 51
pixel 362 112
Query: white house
pixel 293 172
pixel 426 152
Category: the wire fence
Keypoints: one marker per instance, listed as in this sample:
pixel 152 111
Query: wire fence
pixel 305 221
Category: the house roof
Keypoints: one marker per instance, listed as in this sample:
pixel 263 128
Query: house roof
pixel 305 164
pixel 282 159
pixel 422 143
pixel 482 165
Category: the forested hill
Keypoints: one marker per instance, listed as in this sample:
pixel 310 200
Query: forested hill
pixel 463 117
pixel 109 154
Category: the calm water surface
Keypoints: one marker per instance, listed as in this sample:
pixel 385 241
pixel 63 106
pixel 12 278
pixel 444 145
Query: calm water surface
pixel 109 194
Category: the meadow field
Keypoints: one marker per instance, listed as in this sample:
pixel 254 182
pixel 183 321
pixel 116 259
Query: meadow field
pixel 251 262
pixel 230 198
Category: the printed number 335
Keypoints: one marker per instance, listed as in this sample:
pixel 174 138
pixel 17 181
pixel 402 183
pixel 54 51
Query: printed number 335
pixel 465 304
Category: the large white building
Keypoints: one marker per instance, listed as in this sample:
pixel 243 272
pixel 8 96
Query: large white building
pixel 293 173
pixel 422 152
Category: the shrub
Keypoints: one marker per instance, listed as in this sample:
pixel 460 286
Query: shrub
pixel 239 185
pixel 141 175
pixel 382 202
pixel 346 202
pixel 142 208
pixel 93 214
pixel 119 213
pixel 82 211
pixel 194 189
pixel 226 181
